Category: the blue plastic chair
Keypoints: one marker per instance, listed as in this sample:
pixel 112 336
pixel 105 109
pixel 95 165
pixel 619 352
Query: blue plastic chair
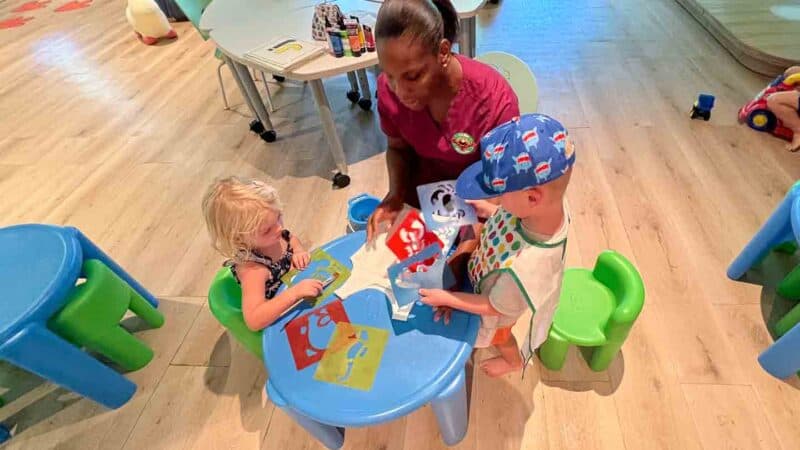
pixel 39 266
pixel 781 359
pixel 782 226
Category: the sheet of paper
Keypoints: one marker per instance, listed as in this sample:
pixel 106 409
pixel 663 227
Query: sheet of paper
pixel 353 356
pixel 369 268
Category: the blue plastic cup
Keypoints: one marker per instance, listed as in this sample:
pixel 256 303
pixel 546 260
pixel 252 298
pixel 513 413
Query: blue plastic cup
pixel 359 208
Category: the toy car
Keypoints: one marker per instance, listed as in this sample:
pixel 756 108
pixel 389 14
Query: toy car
pixel 756 115
pixel 703 106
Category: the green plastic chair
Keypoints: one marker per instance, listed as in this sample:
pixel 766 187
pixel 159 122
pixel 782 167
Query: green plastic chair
pixel 519 75
pixel 225 301
pixel 91 317
pixel 788 321
pixel 597 309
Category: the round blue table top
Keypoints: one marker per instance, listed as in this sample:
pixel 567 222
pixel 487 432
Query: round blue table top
pixel 420 359
pixel 38 267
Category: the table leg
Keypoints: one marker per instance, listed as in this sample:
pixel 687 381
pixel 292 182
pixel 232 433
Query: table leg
pixel 450 407
pixel 91 251
pixel 353 94
pixel 366 97
pixel 262 125
pixel 467 44
pixel 229 62
pixel 44 353
pixel 331 437
pixel 329 126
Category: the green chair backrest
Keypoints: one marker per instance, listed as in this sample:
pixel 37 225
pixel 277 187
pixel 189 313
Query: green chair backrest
pixel 193 9
pixel 618 274
pixel 225 302
pixel 519 75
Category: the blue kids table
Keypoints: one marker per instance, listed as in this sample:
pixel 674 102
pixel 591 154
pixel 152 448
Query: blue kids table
pixel 423 362
pixel 39 265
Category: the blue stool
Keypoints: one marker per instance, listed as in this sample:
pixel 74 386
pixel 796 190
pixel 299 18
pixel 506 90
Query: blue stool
pixel 39 266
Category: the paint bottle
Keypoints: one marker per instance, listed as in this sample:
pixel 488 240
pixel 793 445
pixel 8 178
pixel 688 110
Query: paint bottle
pixel 355 43
pixel 336 43
pixel 369 38
pixel 345 42
pixel 361 39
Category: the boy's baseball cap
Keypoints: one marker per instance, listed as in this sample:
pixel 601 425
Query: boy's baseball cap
pixel 528 151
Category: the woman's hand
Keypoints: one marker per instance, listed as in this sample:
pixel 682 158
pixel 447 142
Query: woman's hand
pixel 387 211
pixel 300 259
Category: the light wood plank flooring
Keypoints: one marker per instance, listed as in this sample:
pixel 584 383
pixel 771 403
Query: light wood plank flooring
pixel 120 139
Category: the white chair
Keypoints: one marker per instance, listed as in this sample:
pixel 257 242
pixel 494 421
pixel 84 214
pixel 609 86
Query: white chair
pixel 519 75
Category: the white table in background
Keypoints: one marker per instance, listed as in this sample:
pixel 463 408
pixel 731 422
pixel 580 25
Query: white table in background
pixel 238 26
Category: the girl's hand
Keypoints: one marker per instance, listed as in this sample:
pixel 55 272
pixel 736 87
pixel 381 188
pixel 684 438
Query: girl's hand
pixel 436 297
pixel 300 260
pixel 308 288
pixel 483 208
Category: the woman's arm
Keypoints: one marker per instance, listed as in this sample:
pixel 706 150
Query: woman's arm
pixel 399 161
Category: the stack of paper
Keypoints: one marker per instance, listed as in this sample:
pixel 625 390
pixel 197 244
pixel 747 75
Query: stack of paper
pixel 284 53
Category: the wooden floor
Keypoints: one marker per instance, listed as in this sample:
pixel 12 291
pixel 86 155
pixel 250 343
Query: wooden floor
pixel 120 139
pixel 764 35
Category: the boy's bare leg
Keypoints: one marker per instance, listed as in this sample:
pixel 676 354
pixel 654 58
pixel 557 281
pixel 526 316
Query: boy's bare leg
pixel 785 106
pixel 508 361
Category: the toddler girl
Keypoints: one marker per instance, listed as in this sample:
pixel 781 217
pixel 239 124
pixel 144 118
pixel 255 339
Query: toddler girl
pixel 244 220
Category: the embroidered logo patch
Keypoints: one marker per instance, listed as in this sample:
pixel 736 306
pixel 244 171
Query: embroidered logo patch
pixel 463 143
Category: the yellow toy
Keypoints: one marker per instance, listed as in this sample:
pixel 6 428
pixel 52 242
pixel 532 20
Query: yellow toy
pixel 148 21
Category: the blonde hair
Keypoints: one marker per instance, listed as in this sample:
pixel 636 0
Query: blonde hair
pixel 234 209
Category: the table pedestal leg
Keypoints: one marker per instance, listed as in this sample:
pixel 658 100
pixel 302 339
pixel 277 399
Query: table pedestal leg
pixel 331 437
pixel 450 407
pixel 366 96
pixel 329 126
pixel 253 99
pixel 353 94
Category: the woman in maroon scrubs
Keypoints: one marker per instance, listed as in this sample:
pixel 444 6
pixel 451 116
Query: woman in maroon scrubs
pixel 434 105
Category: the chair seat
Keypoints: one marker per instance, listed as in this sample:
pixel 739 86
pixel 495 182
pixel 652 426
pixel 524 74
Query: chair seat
pixel 584 308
